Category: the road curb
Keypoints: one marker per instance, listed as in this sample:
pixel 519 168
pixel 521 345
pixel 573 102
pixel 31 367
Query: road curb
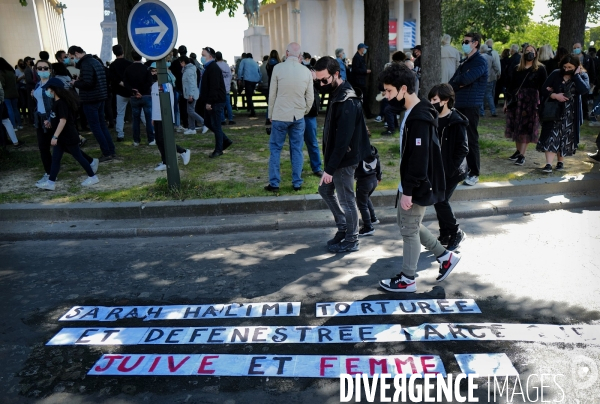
pixel 271 204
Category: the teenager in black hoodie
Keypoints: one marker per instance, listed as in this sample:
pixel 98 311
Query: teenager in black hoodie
pixel 452 132
pixel 422 180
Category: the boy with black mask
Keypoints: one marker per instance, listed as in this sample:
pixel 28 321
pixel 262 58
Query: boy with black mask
pixel 422 180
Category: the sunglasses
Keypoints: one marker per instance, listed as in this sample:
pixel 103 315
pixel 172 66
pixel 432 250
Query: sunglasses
pixel 325 81
pixel 43 68
pixel 466 42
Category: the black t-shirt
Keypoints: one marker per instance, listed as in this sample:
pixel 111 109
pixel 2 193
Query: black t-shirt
pixel 69 134
pixel 443 122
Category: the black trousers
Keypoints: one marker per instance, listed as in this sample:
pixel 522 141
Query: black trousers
pixel 250 86
pixel 366 108
pixel 364 188
pixel 390 118
pixel 183 115
pixel 445 215
pixel 57 153
pixel 160 141
pixel 473 160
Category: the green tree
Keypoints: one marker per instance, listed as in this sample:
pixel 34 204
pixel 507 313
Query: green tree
pixel 496 19
pixel 536 34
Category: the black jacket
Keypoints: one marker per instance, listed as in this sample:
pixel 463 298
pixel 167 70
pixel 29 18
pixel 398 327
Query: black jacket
pixel 138 77
pixel 359 70
pixel 177 71
pixel 455 147
pixel 421 166
pixel 212 88
pixel 345 137
pixel 116 74
pixel 92 83
pixel 369 166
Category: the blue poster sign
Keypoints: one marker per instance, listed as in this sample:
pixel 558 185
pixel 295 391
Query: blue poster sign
pixel 152 29
pixel 410 34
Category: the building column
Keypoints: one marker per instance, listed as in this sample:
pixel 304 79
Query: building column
pixel 418 18
pixel 400 28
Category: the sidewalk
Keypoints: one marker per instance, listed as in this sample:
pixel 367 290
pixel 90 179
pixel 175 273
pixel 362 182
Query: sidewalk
pixel 220 216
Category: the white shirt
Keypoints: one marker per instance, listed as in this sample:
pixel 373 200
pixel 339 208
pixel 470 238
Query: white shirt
pixel 156 114
pixel 401 135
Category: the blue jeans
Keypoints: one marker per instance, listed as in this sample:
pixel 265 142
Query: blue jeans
pixel 12 107
pixel 213 122
pixel 279 130
pixel 137 104
pixel 94 112
pixel 228 107
pixel 312 145
pixel 489 97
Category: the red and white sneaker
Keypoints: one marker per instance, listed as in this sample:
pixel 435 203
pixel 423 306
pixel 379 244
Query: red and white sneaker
pixel 447 263
pixel 399 283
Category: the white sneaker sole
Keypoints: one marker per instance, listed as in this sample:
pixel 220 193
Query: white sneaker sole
pixel 451 268
pixel 411 289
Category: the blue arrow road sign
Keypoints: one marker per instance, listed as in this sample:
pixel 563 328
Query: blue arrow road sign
pixel 152 29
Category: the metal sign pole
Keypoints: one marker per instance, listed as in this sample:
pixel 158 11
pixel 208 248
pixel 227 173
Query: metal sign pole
pixel 167 125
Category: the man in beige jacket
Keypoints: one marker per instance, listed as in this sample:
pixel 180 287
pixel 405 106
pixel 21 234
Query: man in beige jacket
pixel 291 96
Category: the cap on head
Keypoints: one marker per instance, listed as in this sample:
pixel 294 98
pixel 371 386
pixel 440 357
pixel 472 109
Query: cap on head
pixel 362 45
pixel 418 47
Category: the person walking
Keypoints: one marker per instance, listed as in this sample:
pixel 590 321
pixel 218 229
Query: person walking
pixel 116 74
pixel 65 138
pixel 249 73
pixel 92 86
pixel 191 94
pixel 291 96
pixel 227 77
pixel 560 133
pixel 422 181
pixel 469 84
pixel 212 95
pixel 522 110
pixel 450 58
pixel 177 71
pixel 310 129
pixel 367 176
pixel 8 79
pixel 345 145
pixel 360 73
pixel 138 81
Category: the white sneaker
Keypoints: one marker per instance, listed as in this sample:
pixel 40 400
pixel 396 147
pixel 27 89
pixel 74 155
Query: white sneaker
pixel 45 178
pixel 179 128
pixel 135 144
pixel 185 156
pixel 49 185
pixel 471 180
pixel 399 283
pixel 152 143
pixel 204 129
pixel 94 165
pixel 378 119
pixel 447 263
pixel 160 167
pixel 190 132
pixel 20 127
pixel 90 181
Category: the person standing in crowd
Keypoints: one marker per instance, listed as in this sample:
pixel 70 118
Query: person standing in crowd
pixel 249 73
pixel 310 129
pixel 91 84
pixel 227 77
pixel 8 79
pixel 450 58
pixel 21 88
pixel 340 56
pixel 291 97
pixel 589 65
pixel 416 53
pixel 29 86
pixel 546 57
pixel 560 137
pixel 345 145
pixel 157 123
pixel 116 74
pixel 191 95
pixel 469 84
pixel 177 71
pixel 212 94
pixel 390 115
pixel 367 176
pixel 497 67
pixel 422 181
pixel 264 78
pixel 452 133
pixel 7 124
pixel 306 57
pixel 273 60
pixel 493 73
pixel 359 75
pixel 138 81
pixel 501 82
pixel 515 58
pixel 65 138
pixel 522 115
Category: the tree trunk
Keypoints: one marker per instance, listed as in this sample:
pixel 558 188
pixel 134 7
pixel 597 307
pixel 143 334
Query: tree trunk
pixel 122 10
pixel 572 23
pixel 431 32
pixel 377 16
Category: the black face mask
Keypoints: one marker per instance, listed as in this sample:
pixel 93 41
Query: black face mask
pixel 439 108
pixel 397 104
pixel 564 72
pixel 154 78
pixel 328 88
pixel 529 56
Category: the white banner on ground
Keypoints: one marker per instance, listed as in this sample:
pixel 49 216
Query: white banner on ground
pixel 486 365
pixel 586 334
pixel 191 312
pixel 322 366
pixel 397 307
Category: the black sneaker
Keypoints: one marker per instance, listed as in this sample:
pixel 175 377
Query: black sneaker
pixel 447 263
pixel 366 231
pixel 547 169
pixel 120 139
pixel 339 236
pixel 344 246
pixel 271 188
pixel 232 122
pixel 456 239
pixel 515 156
pixel 444 239
pixel 298 188
pixel 560 166
pixel 520 160
pixel 226 144
pixel 105 158
pixel 399 283
pixel 374 220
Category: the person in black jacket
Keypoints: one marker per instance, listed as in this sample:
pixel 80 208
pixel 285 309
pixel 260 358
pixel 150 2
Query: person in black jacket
pixel 310 130
pixel 452 132
pixel 212 93
pixel 345 144
pixel 93 91
pixel 116 74
pixel 359 74
pixel 422 181
pixel 367 175
pixel 177 71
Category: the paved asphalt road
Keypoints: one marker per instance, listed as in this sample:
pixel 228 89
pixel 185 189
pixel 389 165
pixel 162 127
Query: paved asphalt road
pixel 525 269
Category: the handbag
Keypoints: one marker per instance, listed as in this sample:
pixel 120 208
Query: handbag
pixel 512 101
pixel 550 111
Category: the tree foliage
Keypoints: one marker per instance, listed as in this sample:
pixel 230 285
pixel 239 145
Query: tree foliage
pixel 496 19
pixel 534 33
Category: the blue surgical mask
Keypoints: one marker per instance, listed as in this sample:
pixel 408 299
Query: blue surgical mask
pixel 168 64
pixel 67 61
pixel 577 51
pixel 466 48
pixel 203 60
pixel 76 60
pixel 44 75
pixel 48 94
pixel 365 52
